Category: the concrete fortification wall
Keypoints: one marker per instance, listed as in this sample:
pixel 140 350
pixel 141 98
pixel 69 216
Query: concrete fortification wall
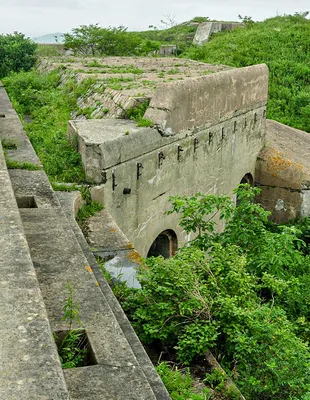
pixel 206 29
pixel 210 131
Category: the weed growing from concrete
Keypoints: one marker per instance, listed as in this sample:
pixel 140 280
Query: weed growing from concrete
pixel 72 349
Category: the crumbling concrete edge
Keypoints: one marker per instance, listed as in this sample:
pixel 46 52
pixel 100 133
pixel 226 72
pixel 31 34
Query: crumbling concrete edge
pixel 143 359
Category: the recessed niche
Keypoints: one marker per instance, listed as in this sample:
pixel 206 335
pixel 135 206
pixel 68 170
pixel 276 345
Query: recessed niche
pixel 74 348
pixel 26 202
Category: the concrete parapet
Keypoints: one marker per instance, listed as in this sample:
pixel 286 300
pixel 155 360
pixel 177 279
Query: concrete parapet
pixel 206 29
pixel 29 363
pixel 183 105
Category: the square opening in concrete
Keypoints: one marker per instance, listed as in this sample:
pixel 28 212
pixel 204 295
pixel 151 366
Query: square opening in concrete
pixel 26 202
pixel 74 349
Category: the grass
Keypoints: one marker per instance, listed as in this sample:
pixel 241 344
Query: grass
pixel 88 210
pixel 49 104
pixel 8 144
pixel 12 164
pixel 283 44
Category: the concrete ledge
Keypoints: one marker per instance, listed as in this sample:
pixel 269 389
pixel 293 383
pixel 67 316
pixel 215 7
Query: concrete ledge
pixel 183 105
pixel 29 363
pixel 161 393
pixel 11 129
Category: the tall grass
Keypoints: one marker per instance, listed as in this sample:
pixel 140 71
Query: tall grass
pixel 283 44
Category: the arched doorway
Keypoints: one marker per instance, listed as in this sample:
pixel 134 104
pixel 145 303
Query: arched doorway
pixel 248 178
pixel 164 245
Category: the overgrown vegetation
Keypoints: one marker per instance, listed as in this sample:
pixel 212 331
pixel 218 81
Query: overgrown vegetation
pixel 242 293
pixel 90 208
pixel 44 104
pixel 72 348
pixel 17 53
pixel 113 41
pixel 283 44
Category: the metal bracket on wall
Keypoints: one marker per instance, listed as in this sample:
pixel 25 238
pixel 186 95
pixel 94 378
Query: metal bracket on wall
pixel 139 170
pixel 113 181
pixel 161 158
pixel 210 137
pixel 180 149
pixel 196 141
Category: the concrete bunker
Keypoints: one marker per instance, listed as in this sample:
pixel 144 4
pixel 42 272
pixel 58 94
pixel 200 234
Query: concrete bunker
pixel 165 245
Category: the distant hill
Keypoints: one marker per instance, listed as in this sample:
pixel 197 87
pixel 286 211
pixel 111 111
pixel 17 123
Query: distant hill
pixel 51 38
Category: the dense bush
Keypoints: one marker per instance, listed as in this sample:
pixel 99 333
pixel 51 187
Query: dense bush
pixel 241 293
pixel 17 53
pixel 96 41
pixel 283 44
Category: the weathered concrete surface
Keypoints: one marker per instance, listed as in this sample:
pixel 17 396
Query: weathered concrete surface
pixel 208 100
pixel 11 130
pixel 58 259
pixel 283 172
pixel 29 363
pixel 68 202
pixel 206 29
pixel 124 82
pixel 212 152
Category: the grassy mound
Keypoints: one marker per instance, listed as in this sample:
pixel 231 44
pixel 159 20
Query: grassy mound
pixel 283 44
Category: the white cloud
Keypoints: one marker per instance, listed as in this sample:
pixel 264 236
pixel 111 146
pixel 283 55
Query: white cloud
pixel 37 17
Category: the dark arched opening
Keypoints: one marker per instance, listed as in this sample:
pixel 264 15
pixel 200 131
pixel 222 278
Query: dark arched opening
pixel 248 178
pixel 164 245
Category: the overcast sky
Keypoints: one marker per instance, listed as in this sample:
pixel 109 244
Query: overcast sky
pixel 39 17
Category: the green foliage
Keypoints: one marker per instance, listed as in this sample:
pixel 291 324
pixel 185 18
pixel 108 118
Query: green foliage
pixel 88 210
pixel 49 50
pixel 113 41
pixel 242 292
pixel 180 384
pixel 72 350
pixel 283 44
pixel 46 106
pixel 181 35
pixel 137 113
pixel 17 53
pixel 71 308
pixel 12 164
pixel 8 144
pixel 145 122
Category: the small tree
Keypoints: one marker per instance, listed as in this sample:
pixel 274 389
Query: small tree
pixel 17 53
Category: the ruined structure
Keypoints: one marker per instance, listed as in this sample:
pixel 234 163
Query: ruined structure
pixel 206 29
pixel 42 249
pixel 209 133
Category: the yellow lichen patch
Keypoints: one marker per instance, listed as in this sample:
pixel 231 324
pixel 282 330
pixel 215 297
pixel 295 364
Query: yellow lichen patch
pixel 278 162
pixel 128 245
pixel 97 283
pixel 113 230
pixel 88 268
pixel 135 257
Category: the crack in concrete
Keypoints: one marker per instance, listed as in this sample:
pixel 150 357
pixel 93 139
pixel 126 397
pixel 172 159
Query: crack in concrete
pixel 159 195
pixel 282 187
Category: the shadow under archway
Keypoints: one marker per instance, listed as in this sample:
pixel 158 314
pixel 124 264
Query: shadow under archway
pixel 248 178
pixel 165 245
